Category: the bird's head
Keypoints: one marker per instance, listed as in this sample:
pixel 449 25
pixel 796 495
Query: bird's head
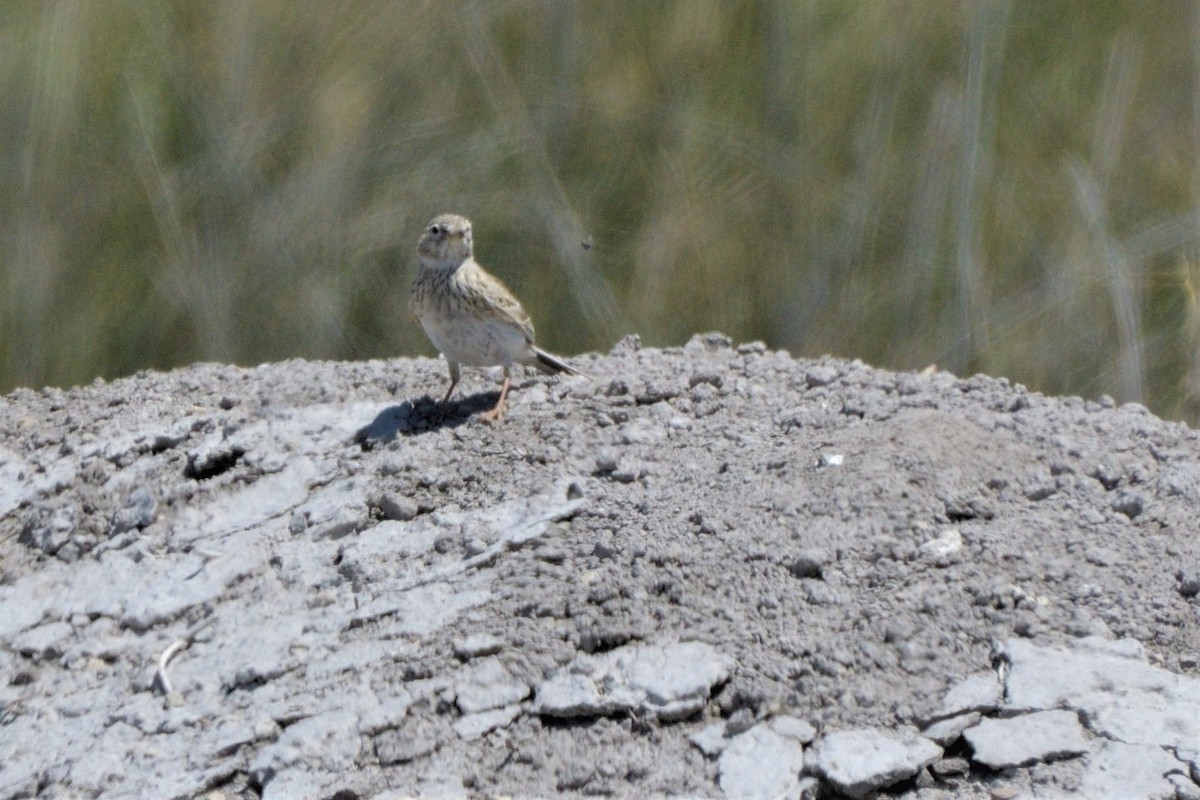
pixel 446 241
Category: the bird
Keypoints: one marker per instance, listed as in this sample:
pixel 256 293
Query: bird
pixel 468 314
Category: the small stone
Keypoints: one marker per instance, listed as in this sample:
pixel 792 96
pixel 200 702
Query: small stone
pixel 948 731
pixel 266 728
pixel 551 555
pixel 712 341
pixel 950 767
pixel 821 375
pixel 629 343
pixel 1129 503
pixel 809 562
pixel 1189 582
pixel 795 728
pixel 658 392
pixel 710 739
pixel 707 376
pixel 212 460
pixel 604 551
pixel 1027 739
pixel 1040 490
pixel 607 461
pixel 487 685
pixel 1108 474
pixel 472 726
pixel 49 530
pixel 643 431
pixel 574 774
pixel 617 388
pixel 476 645
pixel 340 524
pixel 980 691
pixel 397 507
pixel 139 510
pixel 945 550
pixel 740 721
pixel 760 763
pixel 665 681
pixel 858 762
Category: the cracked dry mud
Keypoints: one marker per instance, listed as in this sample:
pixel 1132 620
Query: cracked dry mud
pixel 710 571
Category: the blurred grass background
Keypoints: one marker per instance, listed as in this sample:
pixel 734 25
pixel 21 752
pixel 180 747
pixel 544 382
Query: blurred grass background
pixel 1001 187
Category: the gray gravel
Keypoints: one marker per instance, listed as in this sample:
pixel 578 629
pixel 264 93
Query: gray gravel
pixel 299 580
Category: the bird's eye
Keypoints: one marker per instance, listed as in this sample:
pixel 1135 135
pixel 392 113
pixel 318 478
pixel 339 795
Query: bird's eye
pixel 435 229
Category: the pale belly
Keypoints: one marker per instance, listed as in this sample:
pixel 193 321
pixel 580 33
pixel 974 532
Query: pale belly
pixel 476 342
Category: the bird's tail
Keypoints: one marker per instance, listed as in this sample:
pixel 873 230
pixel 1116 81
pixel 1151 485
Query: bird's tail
pixel 553 364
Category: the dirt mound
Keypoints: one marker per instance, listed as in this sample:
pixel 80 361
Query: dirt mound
pixel 302 580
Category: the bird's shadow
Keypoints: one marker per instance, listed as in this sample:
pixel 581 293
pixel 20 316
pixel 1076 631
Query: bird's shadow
pixel 423 415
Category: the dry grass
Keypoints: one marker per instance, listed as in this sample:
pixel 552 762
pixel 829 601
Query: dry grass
pixel 992 186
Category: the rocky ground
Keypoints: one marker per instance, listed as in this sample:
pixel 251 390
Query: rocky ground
pixel 709 571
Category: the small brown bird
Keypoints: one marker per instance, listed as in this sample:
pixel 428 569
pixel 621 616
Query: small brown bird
pixel 470 316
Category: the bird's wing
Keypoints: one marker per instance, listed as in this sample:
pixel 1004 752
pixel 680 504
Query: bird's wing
pixel 494 300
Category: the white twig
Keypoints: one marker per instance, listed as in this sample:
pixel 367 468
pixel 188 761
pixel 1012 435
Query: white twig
pixel 164 681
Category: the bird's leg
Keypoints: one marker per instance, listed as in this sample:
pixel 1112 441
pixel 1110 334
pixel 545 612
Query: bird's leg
pixel 455 374
pixel 497 412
